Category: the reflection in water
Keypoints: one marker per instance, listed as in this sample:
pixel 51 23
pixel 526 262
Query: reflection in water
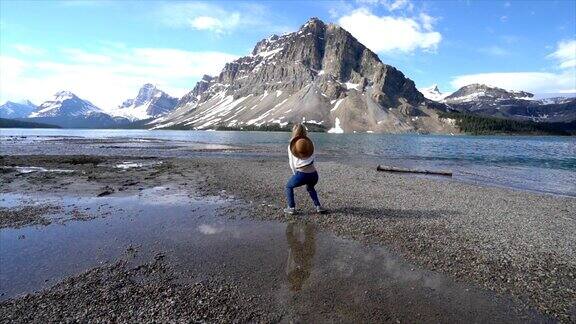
pixel 302 246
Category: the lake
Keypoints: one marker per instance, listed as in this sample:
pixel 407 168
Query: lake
pixel 535 163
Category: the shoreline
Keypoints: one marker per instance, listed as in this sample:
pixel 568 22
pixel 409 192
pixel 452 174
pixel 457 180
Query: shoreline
pixel 517 176
pixel 484 236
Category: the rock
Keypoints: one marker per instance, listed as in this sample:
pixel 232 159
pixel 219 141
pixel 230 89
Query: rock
pixel 150 102
pixel 319 74
pixel 490 101
pixel 106 191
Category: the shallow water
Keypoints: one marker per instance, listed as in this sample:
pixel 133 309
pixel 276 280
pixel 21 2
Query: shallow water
pixel 536 163
pixel 312 275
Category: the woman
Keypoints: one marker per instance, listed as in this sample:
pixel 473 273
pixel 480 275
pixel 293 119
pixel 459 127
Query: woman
pixel 301 158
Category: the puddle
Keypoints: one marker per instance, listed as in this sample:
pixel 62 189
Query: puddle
pixel 312 275
pixel 30 169
pixel 130 164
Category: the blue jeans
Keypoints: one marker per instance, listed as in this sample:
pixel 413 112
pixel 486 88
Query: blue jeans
pixel 300 179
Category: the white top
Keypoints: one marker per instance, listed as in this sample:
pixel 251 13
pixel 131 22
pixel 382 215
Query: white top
pixel 296 163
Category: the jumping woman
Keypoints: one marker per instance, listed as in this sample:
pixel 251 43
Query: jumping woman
pixel 301 158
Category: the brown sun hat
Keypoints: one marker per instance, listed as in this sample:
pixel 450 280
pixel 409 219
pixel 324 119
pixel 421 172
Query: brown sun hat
pixel 302 147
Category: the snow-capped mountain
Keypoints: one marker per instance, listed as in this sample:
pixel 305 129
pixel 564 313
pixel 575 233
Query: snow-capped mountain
pixel 66 109
pixel 483 93
pixel 518 105
pixel 13 110
pixel 319 74
pixel 150 102
pixel 433 93
pixel 556 100
pixel 65 103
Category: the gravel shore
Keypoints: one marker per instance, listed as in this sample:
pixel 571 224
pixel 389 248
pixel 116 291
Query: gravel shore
pixel 515 243
pixel 149 292
pixel 512 242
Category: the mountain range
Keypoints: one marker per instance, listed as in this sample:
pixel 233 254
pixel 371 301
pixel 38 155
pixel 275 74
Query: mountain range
pixel 489 101
pixel 65 109
pixel 13 110
pixel 320 75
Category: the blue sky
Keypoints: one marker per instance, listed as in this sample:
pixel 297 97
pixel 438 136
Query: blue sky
pixel 104 50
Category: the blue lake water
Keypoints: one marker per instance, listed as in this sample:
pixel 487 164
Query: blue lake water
pixel 535 163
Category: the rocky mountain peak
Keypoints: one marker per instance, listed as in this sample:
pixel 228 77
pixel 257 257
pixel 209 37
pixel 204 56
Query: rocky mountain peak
pixel 146 93
pixel 433 93
pixel 482 92
pixel 65 103
pixel 64 95
pixel 313 25
pixel 312 21
pixel 319 73
pixel 27 103
pixel 150 102
pixel 20 109
pixel 484 100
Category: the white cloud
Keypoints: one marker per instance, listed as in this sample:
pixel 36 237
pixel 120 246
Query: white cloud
pixel 81 56
pixel 563 81
pixel 565 54
pixel 427 21
pixel 107 76
pixel 204 22
pixel 206 16
pixel 28 50
pixel 535 82
pixel 398 5
pixel 215 24
pixel 338 8
pixel 388 33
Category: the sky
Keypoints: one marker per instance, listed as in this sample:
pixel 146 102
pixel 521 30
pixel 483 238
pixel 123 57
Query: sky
pixel 104 51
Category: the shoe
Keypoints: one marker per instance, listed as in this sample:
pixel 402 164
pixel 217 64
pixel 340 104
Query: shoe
pixel 290 210
pixel 321 210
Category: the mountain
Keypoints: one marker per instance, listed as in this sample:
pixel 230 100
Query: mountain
pixel 149 103
pixel 67 110
pixel 481 93
pixel 489 101
pixel 320 75
pixel 13 110
pixel 433 93
pixel 65 103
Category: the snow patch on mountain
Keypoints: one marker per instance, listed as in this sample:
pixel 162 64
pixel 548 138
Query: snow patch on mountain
pixel 17 109
pixel 318 73
pixel 518 105
pixel 433 93
pixel 336 129
pixel 482 92
pixel 150 102
pixel 65 103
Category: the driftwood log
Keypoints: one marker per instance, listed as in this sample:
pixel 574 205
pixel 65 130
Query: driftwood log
pixel 395 169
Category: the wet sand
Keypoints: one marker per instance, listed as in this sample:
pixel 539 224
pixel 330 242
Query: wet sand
pixel 393 247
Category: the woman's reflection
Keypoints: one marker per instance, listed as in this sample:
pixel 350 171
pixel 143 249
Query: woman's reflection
pixel 301 250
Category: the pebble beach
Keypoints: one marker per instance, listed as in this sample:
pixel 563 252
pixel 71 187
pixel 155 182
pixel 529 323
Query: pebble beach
pixel 513 244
